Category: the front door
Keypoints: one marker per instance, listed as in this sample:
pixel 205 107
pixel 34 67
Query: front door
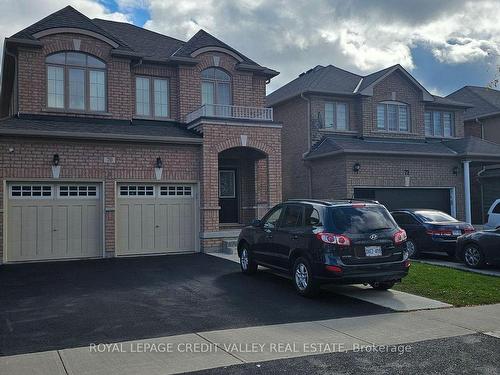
pixel 228 196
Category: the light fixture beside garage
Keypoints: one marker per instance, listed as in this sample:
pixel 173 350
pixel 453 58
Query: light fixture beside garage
pixel 56 168
pixel 158 168
pixel 455 171
pixel 356 167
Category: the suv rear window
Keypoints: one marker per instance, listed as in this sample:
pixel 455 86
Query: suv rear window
pixel 434 216
pixel 363 219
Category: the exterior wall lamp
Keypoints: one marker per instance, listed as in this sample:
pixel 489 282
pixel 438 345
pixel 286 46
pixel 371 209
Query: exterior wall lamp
pixel 455 171
pixel 158 168
pixel 356 167
pixel 56 168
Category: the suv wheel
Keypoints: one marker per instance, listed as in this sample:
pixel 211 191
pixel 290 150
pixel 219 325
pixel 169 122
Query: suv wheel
pixel 303 279
pixel 383 285
pixel 473 256
pixel 411 246
pixel 248 266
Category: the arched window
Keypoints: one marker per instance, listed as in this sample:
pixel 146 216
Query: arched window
pixel 76 81
pixel 215 87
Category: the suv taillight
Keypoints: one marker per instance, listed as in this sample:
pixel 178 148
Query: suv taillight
pixel 400 236
pixel 335 239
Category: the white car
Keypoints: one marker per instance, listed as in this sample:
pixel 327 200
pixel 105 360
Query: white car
pixel 493 216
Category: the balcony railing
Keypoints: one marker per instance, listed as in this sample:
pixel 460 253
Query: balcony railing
pixel 231 112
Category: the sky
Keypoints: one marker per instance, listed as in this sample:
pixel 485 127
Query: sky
pixel 445 44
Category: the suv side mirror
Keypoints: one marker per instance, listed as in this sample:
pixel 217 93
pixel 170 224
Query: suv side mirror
pixel 256 223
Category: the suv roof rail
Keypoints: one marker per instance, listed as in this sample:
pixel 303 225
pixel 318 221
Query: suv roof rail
pixel 330 202
pixel 320 201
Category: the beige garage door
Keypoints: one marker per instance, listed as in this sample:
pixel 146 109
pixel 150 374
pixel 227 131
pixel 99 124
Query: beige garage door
pixel 155 219
pixel 53 221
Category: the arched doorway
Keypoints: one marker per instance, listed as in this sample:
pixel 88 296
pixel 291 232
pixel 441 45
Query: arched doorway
pixel 243 185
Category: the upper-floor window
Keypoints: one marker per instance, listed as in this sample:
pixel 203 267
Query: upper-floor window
pixel 393 116
pixel 439 124
pixel 76 81
pixel 215 87
pixel 151 97
pixel 336 116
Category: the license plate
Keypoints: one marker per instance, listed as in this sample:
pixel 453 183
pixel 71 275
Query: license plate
pixel 373 251
pixel 457 232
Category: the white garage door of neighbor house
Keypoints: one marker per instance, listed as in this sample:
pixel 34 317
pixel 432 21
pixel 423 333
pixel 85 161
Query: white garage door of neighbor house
pixel 47 221
pixel 155 219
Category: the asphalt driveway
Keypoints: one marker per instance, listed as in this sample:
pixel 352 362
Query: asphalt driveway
pixel 47 306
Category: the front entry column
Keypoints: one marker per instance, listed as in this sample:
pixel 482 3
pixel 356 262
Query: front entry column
pixel 468 217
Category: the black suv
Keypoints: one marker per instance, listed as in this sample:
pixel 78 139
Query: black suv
pixel 314 241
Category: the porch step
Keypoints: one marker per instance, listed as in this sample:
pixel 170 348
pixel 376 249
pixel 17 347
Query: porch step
pixel 230 246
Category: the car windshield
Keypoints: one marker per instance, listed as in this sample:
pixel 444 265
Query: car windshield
pixel 434 216
pixel 361 219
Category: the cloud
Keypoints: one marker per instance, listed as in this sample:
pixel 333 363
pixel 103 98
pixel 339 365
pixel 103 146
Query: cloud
pixel 17 15
pixel 359 35
pixel 293 36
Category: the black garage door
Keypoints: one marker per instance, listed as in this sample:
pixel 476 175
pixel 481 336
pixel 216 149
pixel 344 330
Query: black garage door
pixel 438 199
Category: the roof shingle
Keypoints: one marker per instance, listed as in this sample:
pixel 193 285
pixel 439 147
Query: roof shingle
pixel 100 128
pixel 484 101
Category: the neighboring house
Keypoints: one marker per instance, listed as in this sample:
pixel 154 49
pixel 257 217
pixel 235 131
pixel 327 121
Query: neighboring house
pixel 382 136
pixel 482 120
pixel 118 141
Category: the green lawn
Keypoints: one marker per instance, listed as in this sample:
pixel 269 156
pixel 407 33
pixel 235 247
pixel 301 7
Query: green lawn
pixel 459 288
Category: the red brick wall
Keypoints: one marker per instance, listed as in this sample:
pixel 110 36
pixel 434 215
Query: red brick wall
pixel 293 115
pixel 33 76
pixel 247 89
pixel 185 82
pixel 32 159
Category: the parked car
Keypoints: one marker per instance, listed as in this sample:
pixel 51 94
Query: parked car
pixel 493 218
pixel 480 248
pixel 430 230
pixel 317 242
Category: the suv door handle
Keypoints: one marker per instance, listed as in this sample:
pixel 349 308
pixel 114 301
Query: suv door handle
pixel 269 236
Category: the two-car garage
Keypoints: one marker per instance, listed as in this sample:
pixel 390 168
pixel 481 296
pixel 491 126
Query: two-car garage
pixel 57 221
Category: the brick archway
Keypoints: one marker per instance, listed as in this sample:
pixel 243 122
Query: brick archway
pixel 224 146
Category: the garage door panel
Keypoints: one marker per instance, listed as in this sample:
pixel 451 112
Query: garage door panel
pixel 74 230
pixel 398 198
pixel 44 226
pixel 163 222
pixel 44 231
pixel 28 232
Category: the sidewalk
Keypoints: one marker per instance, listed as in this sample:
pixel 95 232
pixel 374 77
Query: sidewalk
pixel 205 350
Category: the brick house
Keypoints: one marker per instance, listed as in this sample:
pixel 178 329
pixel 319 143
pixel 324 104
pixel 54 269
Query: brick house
pixel 382 136
pixel 482 120
pixel 116 140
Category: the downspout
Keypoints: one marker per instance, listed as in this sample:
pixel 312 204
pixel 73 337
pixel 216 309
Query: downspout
pixel 482 127
pixel 309 137
pixel 16 82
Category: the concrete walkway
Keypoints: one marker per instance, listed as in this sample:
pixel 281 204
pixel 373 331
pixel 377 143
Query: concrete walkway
pixel 392 299
pixel 204 350
pixel 461 266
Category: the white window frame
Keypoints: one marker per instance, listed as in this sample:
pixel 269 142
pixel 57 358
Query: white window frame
pixel 128 195
pixel 334 126
pixel 386 104
pixel 175 189
pixel 31 196
pixel 78 186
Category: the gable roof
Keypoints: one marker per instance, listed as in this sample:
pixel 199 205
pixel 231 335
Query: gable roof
pixel 485 102
pixel 320 79
pixel 334 80
pixel 134 41
pixel 67 17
